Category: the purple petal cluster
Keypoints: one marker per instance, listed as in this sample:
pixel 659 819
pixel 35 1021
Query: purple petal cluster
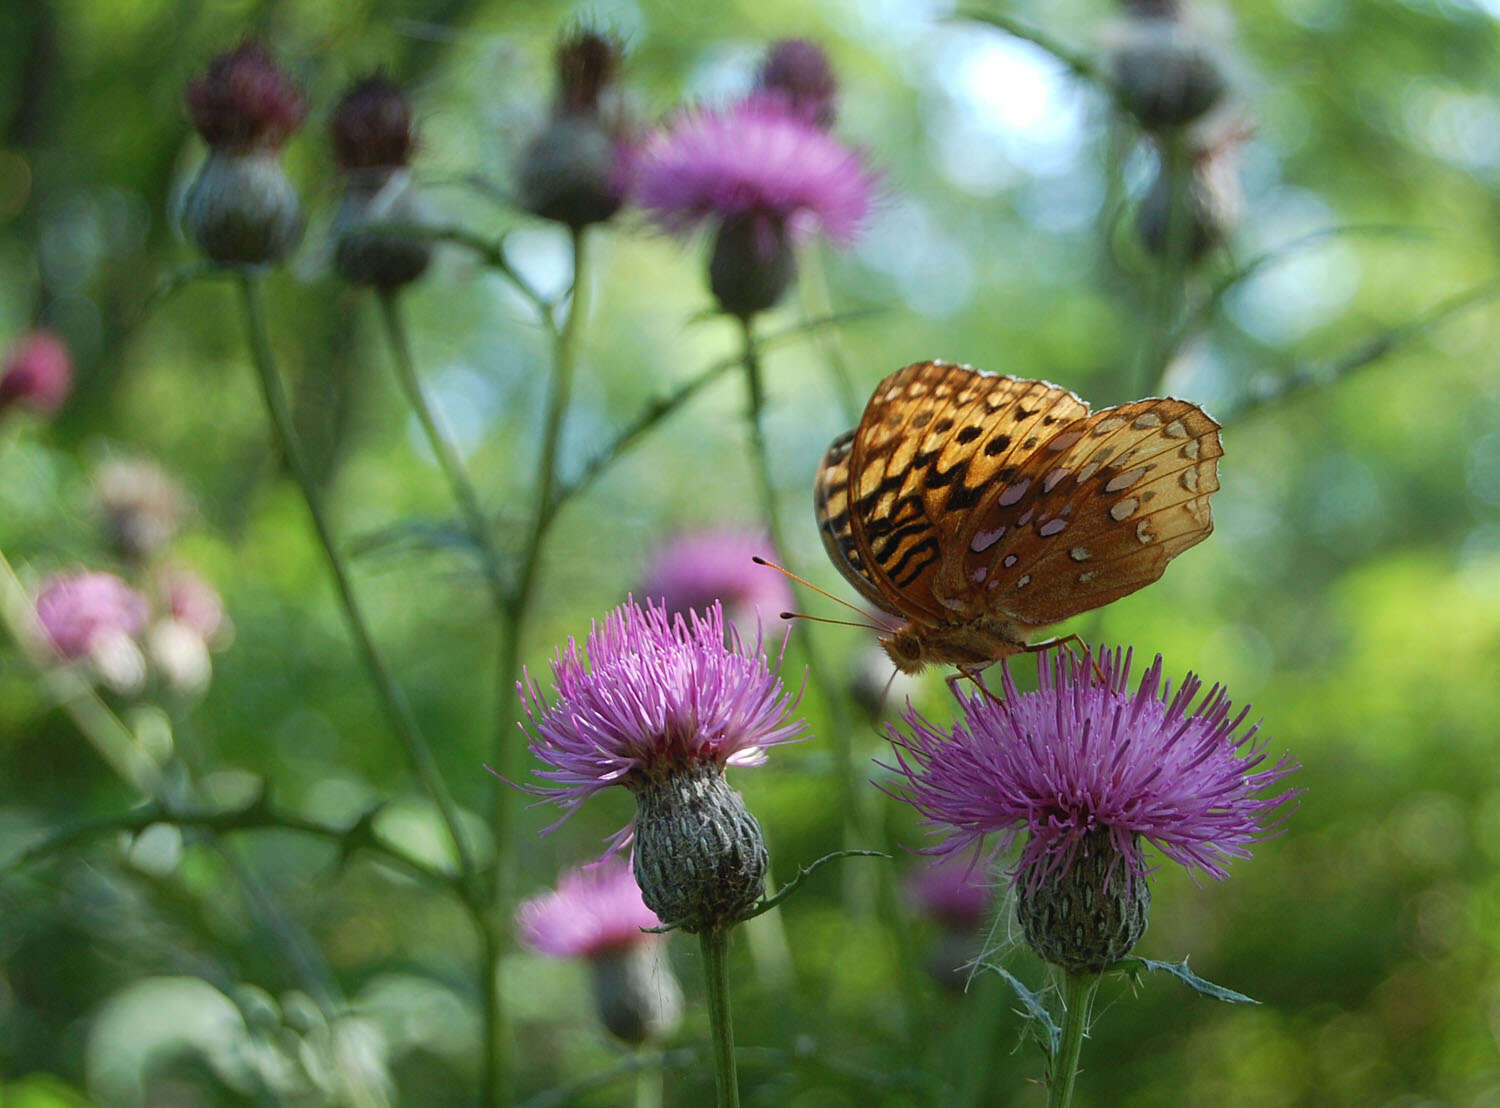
pixel 38 374
pixel 245 100
pixel 954 891
pixel 654 693
pixel 759 156
pixel 78 609
pixel 1081 754
pixel 694 570
pixel 594 910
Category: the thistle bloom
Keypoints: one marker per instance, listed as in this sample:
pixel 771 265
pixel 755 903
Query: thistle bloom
pixel 1091 771
pixel 97 617
pixel 37 375
pixel 798 70
pixel 241 209
pixel 596 913
pixel 763 174
pixel 954 891
pixel 696 569
pixel 661 704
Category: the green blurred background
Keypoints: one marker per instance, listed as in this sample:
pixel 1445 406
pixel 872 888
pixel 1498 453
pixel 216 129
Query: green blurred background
pixel 1351 591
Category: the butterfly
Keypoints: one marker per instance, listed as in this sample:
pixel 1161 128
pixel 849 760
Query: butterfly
pixel 979 508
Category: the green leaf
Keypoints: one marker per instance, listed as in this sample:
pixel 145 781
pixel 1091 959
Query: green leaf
pixel 1042 1023
pixel 1180 971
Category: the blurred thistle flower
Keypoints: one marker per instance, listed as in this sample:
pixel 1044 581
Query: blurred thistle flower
pixel 193 602
pixel 241 209
pixel 143 506
pixel 1091 772
pixel 1207 201
pixel 96 617
pixel 37 375
pixel 373 140
pixel 596 913
pixel 1161 65
pixel 180 655
pixel 694 570
pixel 798 70
pixel 576 170
pixel 762 175
pixel 661 704
pixel 956 893
pixel 192 624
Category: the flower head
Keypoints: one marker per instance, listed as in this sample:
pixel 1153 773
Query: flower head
pixel 694 570
pixel 1079 756
pixel 38 374
pixel 954 891
pixel 245 100
pixel 798 70
pixel 194 603
pixel 759 158
pixel 594 910
pixel 143 506
pixel 371 127
pixel 651 693
pixel 80 610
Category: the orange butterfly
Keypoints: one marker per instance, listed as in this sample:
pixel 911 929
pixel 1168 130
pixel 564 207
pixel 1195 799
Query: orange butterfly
pixel 980 508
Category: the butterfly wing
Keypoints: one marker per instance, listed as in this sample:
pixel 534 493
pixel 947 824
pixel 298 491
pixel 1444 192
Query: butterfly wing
pixel 934 438
pixel 1093 512
pixel 831 506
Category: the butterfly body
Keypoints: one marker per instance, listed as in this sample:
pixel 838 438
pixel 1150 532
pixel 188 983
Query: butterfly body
pixel 979 508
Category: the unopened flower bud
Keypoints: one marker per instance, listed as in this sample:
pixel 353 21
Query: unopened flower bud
pixel 1086 913
pixel 118 661
pixel 798 71
pixel 700 858
pixel 752 264
pixel 1199 214
pixel 372 127
pixel 241 209
pixel 383 261
pixel 37 375
pixel 636 993
pixel 180 655
pixel 143 507
pixel 1163 71
pixel 574 170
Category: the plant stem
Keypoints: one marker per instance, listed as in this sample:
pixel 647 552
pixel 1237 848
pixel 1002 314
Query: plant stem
pixel 1157 342
pixel 648 1084
pixel 442 447
pixel 417 752
pixel 715 943
pixel 1078 1002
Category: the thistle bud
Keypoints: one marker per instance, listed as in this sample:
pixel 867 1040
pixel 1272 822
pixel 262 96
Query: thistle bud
pixel 371 127
pixel 143 507
pixel 1162 70
pixel 573 171
pixel 752 264
pixel 798 71
pixel 700 857
pixel 1088 912
pixel 37 375
pixel 1206 201
pixel 241 209
pixel 636 993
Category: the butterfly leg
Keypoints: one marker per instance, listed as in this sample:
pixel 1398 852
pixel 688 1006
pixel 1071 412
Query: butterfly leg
pixel 1080 651
pixel 976 676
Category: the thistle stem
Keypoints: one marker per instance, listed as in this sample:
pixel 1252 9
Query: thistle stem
pixel 715 943
pixel 442 447
pixel 418 754
pixel 1078 1003
pixel 1158 341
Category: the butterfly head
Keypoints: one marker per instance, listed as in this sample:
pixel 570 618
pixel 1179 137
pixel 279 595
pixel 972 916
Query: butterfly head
pixel 906 649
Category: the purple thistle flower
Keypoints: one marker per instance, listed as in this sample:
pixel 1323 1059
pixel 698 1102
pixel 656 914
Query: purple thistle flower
pixel 245 100
pixel 694 570
pixel 954 891
pixel 651 693
pixel 37 374
pixel 661 704
pixel 798 70
pixel 756 158
pixel 79 610
pixel 1079 758
pixel 594 910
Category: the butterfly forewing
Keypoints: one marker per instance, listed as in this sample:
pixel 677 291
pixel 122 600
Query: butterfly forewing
pixel 963 493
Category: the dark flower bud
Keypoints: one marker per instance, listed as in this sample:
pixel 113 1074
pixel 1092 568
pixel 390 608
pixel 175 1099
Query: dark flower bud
pixel 1089 911
pixel 372 126
pixel 700 858
pixel 752 265
pixel 1205 202
pixel 1163 72
pixel 798 70
pixel 242 210
pixel 574 170
pixel 143 507
pixel 636 993
pixel 383 261
pixel 244 101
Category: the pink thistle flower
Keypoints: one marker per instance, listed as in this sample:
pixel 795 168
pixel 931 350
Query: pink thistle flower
pixel 79 610
pixel 194 603
pixel 1081 759
pixel 245 101
pixel 696 569
pixel 371 127
pixel 38 374
pixel 798 70
pixel 594 910
pixel 954 891
pixel 759 158
pixel 652 693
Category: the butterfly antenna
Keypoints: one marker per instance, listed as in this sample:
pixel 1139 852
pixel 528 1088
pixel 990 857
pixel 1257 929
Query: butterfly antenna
pixel 835 622
pixel 758 560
